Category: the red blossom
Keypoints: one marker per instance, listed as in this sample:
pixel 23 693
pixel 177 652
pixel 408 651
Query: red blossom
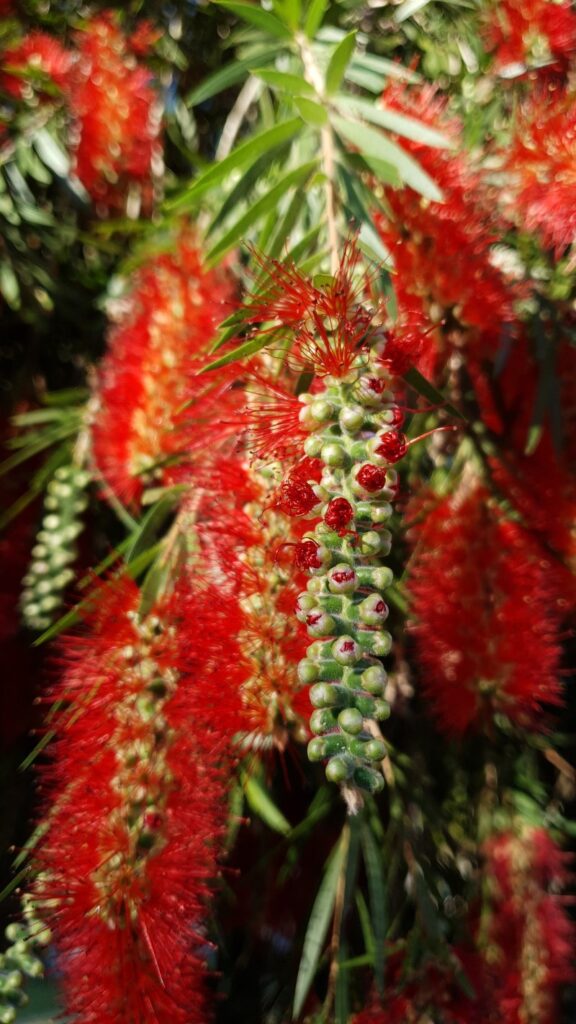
pixel 526 32
pixel 127 860
pixel 150 372
pixel 116 118
pixel 541 161
pixel 38 53
pixel 485 624
pixel 442 250
pixel 529 926
pixel 328 323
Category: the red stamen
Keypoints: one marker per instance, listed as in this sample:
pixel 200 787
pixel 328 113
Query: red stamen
pixel 338 514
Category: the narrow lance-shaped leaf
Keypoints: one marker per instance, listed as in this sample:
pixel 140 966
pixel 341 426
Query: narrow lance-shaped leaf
pixel 245 153
pixel 260 208
pixel 260 801
pixel 377 893
pixel 409 127
pixel 284 82
pixel 319 921
pixel 339 62
pixel 257 16
pixel 373 144
pixel 314 17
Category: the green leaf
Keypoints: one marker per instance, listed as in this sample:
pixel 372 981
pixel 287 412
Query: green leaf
pixel 228 76
pixel 314 17
pixel 258 169
pixel 262 206
pixel 317 929
pixel 409 127
pixel 416 380
pixel 339 61
pixel 257 16
pixel 284 82
pixel 408 8
pixel 51 153
pixel 245 153
pixel 9 285
pixel 287 224
pixel 247 348
pixel 373 144
pixel 378 904
pixel 260 801
pixel 311 112
pixel 148 529
pixel 288 11
pixel 371 244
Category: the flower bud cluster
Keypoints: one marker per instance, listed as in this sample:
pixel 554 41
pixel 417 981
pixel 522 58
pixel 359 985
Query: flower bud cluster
pixel 55 551
pixel 142 781
pixel 20 959
pixel 268 636
pixel 354 442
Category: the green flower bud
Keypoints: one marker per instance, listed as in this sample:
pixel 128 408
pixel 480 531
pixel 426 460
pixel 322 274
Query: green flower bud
pixel 338 769
pixel 316 749
pixel 351 721
pixel 368 779
pixel 374 680
pixel 322 720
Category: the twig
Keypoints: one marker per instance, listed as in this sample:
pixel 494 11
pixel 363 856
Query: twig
pixel 313 75
pixel 248 95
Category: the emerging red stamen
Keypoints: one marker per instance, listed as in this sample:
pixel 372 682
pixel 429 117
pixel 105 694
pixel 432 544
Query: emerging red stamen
pixel 338 514
pixel 371 478
pixel 392 446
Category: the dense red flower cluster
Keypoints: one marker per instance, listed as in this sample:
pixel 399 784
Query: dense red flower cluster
pixel 530 32
pixel 327 324
pixel 485 625
pixel 136 805
pixel 530 953
pixel 540 484
pixel 116 116
pixel 164 326
pixel 113 108
pixel 541 161
pixel 435 992
pixel 442 250
pixel 37 61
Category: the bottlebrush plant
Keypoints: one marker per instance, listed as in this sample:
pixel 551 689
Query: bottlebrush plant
pixel 292 331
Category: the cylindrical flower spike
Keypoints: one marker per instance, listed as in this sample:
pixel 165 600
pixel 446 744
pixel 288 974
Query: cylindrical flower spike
pixel 343 607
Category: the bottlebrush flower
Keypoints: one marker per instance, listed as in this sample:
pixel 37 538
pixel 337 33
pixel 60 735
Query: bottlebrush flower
pixel 434 992
pixel 442 250
pixel 531 937
pixel 536 32
pixel 247 550
pixel 38 60
pixel 343 483
pixel 166 323
pixel 485 626
pixel 326 325
pixel 116 118
pixel 136 790
pixel 540 485
pixel 541 162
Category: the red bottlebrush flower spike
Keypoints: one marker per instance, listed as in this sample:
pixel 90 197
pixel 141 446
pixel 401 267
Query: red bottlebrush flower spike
pixel 442 251
pixel 126 861
pixel 541 160
pixel 116 117
pixel 328 323
pixel 485 628
pixel 168 320
pixel 38 53
pixel 523 33
pixel 529 927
